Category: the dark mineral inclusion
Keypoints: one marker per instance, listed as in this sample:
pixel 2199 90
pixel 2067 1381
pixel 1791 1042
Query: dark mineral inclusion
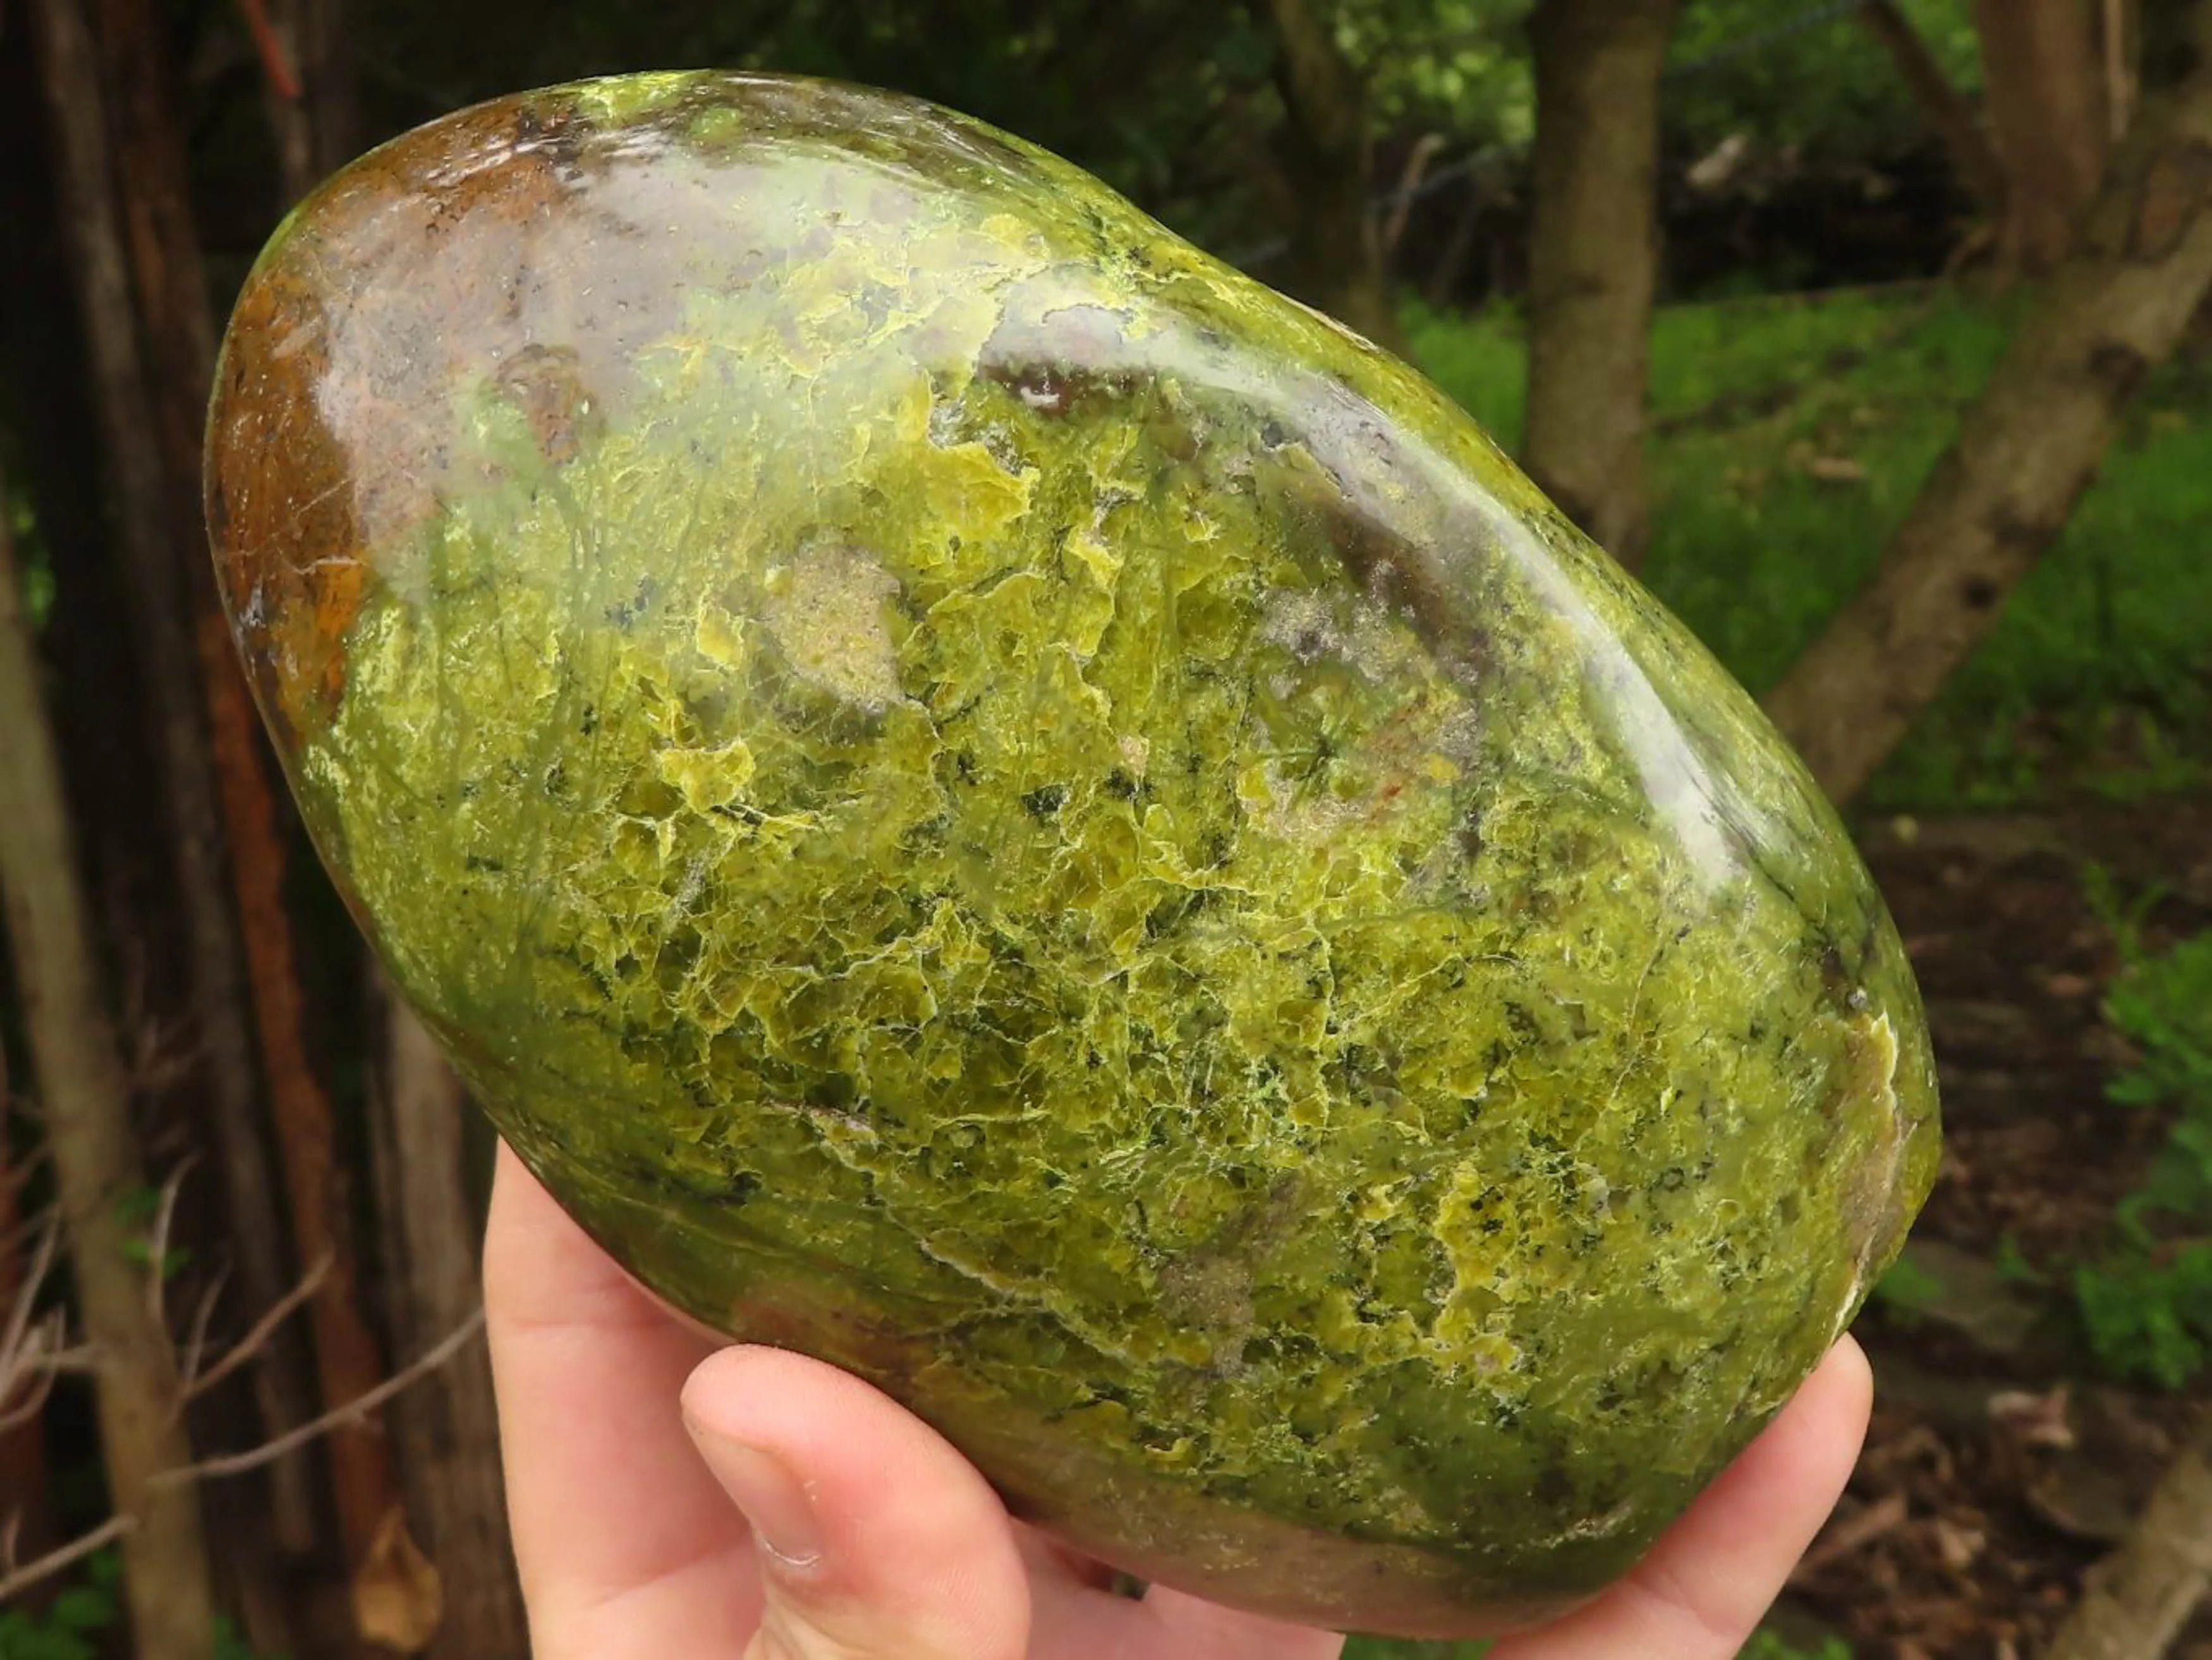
pixel 985 797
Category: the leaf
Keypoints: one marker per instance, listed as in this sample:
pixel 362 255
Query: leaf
pixel 397 1597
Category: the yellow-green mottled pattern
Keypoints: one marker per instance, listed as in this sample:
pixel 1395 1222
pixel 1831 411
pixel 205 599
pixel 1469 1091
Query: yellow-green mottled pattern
pixel 981 795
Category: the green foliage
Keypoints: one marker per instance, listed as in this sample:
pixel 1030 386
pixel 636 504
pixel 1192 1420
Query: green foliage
pixel 1826 87
pixel 1907 1290
pixel 2147 1304
pixel 2101 670
pixel 1172 103
pixel 1168 102
pixel 35 567
pixel 1459 68
pixel 2165 1007
pixel 71 1627
pixel 136 1210
pixel 1771 1645
pixel 67 1631
pixel 2122 913
pixel 79 1623
pixel 2147 1317
pixel 2014 1267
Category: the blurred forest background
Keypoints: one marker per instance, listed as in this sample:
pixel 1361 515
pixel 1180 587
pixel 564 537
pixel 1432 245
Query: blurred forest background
pixel 1871 331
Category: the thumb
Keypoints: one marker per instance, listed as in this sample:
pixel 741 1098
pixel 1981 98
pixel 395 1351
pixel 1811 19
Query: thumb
pixel 876 1540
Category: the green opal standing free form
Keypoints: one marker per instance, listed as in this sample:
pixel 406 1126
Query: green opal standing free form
pixel 982 797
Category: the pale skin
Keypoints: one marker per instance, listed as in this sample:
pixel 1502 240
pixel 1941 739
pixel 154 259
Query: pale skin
pixel 671 1500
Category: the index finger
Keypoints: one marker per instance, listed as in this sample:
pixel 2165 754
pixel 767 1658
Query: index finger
pixel 627 1546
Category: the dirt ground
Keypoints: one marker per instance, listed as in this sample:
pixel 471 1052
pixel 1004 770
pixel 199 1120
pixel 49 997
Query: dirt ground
pixel 2000 1467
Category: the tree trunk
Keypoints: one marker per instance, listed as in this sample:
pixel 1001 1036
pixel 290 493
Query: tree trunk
pixel 2137 1600
pixel 181 344
pixel 1940 104
pixel 144 515
pixel 47 406
pixel 2026 451
pixel 25 1518
pixel 1594 258
pixel 447 1425
pixel 1326 152
pixel 90 1140
pixel 2043 62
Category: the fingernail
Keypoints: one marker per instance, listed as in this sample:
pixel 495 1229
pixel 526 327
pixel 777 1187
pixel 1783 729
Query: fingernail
pixel 773 1500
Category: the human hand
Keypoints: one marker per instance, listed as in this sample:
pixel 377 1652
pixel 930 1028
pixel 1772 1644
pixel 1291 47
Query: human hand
pixel 786 1510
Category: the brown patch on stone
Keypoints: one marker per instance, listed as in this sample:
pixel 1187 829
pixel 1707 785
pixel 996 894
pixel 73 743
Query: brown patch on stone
pixel 467 259
pixel 546 384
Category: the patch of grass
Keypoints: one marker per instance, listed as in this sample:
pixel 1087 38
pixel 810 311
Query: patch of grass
pixel 2146 1305
pixel 1791 435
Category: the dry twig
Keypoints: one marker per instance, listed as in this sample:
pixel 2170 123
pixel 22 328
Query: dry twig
pixel 422 1366
pixel 33 1352
pixel 15 1579
pixel 197 1382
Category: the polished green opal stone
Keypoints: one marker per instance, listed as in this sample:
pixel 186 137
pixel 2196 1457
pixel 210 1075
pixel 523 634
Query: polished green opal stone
pixel 985 797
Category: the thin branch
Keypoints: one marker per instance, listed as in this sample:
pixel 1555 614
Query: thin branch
pixel 188 1364
pixel 21 1579
pixel 1409 187
pixel 17 1580
pixel 238 1463
pixel 33 1348
pixel 245 1346
pixel 157 1244
pixel 20 1172
pixel 13 1341
pixel 1940 104
pixel 274 63
pixel 33 1401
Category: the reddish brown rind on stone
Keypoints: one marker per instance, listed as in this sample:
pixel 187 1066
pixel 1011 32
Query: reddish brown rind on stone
pixel 329 435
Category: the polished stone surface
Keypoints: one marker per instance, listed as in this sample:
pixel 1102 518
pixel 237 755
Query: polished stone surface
pixel 985 797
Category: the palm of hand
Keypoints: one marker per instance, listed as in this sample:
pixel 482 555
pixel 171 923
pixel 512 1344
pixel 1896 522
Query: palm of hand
pixel 870 1538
